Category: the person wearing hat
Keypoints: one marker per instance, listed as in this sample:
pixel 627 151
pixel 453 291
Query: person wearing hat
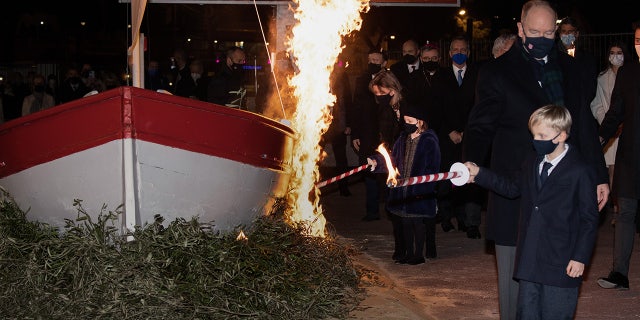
pixel 416 152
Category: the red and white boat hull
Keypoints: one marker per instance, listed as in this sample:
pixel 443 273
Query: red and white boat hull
pixel 152 153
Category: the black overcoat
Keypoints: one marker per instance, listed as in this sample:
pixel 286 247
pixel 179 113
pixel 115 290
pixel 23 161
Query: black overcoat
pixel 507 93
pixel 625 109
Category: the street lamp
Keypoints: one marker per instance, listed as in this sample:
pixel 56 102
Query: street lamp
pixel 469 22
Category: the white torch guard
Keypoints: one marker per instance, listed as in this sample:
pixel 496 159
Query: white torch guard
pixel 463 178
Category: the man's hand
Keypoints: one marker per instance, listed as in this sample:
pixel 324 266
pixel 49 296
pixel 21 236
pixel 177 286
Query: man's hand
pixel 473 170
pixel 356 144
pixel 575 269
pixel 372 163
pixel 455 136
pixel 603 195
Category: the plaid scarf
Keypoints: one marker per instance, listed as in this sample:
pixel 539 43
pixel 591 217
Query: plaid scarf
pixel 549 75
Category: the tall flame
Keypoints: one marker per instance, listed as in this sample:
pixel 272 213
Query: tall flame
pixel 315 45
pixel 393 171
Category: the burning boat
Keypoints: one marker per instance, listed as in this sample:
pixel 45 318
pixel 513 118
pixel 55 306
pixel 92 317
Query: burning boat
pixel 148 152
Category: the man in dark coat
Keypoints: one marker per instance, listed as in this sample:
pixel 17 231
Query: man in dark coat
pixel 624 109
pixel 531 74
pixel 569 34
pixel 365 131
pixel 227 85
pixel 72 88
pixel 464 202
pixel 404 68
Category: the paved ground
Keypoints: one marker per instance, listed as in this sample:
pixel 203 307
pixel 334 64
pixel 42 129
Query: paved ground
pixel 462 282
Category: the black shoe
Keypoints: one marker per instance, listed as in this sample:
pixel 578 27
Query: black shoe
pixel 398 255
pixel 431 256
pixel 446 226
pixel 473 232
pixel 615 280
pixel 415 260
pixel 370 218
pixel 462 227
pixel 402 260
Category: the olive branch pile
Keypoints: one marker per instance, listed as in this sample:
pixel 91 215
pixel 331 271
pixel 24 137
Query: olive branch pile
pixel 180 270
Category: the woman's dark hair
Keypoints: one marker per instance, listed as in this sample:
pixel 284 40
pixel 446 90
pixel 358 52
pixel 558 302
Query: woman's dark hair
pixel 625 52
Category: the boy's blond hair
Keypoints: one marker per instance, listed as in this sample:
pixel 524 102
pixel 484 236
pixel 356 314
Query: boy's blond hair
pixel 553 116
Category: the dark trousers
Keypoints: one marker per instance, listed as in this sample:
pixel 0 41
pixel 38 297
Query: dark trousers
pixel 625 232
pixel 413 230
pixel 339 146
pixel 541 302
pixel 473 198
pixel 430 237
pixel 399 248
pixel 375 190
pixel 372 197
pixel 448 204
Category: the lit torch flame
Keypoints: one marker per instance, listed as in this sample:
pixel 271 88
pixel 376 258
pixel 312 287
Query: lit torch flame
pixel 393 171
pixel 315 45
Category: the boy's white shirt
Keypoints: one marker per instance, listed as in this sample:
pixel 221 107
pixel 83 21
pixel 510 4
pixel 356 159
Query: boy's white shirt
pixel 555 161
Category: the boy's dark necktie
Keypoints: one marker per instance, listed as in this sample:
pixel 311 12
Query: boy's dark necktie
pixel 545 172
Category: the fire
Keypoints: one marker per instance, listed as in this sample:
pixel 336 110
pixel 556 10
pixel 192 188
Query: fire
pixel 241 236
pixel 315 45
pixel 393 171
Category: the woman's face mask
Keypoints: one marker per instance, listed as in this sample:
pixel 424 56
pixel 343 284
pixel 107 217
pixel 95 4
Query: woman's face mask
pixel 384 100
pixel 568 39
pixel 616 59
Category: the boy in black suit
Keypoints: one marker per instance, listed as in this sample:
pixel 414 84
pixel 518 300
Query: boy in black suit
pixel 558 217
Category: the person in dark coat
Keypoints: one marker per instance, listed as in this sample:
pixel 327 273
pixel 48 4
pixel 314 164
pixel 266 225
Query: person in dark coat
pixel 415 153
pixel 154 79
pixel 625 110
pixel 558 217
pixel 72 88
pixel 531 74
pixel 428 84
pixel 365 133
pixel 569 42
pixel 464 202
pixel 409 64
pixel 226 87
pixel 179 71
pixel 388 95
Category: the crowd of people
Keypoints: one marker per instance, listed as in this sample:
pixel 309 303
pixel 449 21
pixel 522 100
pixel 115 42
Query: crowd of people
pixel 189 78
pixel 540 129
pixel 21 94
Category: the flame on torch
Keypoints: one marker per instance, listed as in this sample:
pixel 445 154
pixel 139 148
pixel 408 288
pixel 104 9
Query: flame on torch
pixel 393 171
pixel 315 45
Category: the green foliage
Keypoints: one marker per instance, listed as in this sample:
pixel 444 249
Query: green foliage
pixel 182 270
